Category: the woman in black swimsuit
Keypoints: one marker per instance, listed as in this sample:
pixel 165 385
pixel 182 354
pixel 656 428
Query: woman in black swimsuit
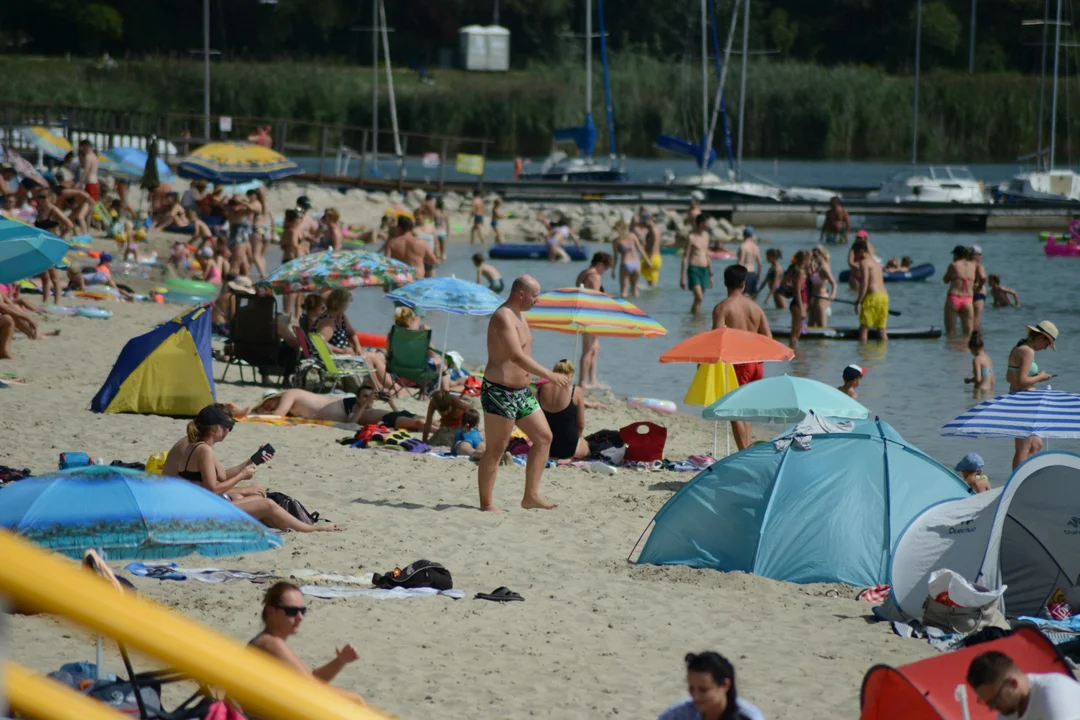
pixel 192 459
pixel 564 408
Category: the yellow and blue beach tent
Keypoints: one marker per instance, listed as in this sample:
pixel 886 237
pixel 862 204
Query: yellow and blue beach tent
pixel 167 371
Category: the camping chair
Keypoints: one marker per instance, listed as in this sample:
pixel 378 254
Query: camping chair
pixel 330 370
pixel 253 337
pixel 407 359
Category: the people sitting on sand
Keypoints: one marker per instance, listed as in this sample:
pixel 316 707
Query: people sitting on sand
pixel 710 680
pixel 337 331
pixel 170 215
pixel 1000 293
pixel 192 458
pixel 216 267
pixel 223 308
pixel 283 612
pixel 564 408
pixel 332 408
pixel 487 274
pixel 970 468
pixel 469 438
pixel 451 409
pixel 852 379
pixel 76 281
pixel 22 319
pixel 982 367
pixel 199 230
pixel 50 217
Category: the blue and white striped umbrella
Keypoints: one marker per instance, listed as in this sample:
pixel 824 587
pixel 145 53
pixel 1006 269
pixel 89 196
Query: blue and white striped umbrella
pixel 1046 413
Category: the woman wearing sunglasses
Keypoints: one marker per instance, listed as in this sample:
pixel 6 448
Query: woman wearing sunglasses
pixel 283 612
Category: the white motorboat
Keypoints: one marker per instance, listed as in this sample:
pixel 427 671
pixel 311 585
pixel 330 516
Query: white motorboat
pixel 941 184
pixel 1052 186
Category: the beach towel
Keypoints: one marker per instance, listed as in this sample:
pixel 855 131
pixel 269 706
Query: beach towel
pixel 875 594
pixel 319 576
pixel 330 592
pixel 279 420
pixel 210 575
pixel 814 424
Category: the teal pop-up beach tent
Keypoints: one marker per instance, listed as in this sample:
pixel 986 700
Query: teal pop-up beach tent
pixel 830 513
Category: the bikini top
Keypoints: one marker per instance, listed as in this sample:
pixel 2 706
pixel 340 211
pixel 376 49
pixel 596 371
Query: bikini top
pixel 194 476
pixel 1032 371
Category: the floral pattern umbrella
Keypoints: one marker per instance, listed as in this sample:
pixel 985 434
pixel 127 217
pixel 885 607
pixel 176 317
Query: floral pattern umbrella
pixel 343 269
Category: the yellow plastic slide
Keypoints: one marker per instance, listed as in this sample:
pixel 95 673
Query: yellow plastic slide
pixel 41 581
pixel 39 697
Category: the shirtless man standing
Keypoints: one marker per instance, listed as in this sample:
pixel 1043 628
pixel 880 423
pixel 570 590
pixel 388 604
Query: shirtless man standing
pixel 741 313
pixel 477 218
pixel 750 258
pixel 507 401
pixel 696 264
pixel 837 223
pixel 411 250
pixel 88 172
pixel 872 304
pixel 651 260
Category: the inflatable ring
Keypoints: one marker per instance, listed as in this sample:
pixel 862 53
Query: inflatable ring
pixel 663 407
pixel 93 312
pixel 191 287
pixel 371 340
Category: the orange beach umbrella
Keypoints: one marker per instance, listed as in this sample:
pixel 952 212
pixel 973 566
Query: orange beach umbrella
pixel 729 345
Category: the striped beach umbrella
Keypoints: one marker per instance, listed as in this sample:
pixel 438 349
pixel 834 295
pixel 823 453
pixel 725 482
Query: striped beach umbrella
pixel 46 141
pixel 236 162
pixel 1046 413
pixel 129 163
pixel 578 310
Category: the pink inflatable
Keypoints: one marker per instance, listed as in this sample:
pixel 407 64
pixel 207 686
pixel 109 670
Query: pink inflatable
pixel 1053 248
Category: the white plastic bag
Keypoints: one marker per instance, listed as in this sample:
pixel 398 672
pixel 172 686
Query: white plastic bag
pixel 614 455
pixel 951 589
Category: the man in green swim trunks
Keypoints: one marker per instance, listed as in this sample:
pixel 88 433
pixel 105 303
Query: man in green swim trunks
pixel 507 400
pixel 697 271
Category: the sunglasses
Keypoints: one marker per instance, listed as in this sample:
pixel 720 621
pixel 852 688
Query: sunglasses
pixel 292 610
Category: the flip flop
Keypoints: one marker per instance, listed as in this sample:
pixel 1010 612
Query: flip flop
pixel 501 594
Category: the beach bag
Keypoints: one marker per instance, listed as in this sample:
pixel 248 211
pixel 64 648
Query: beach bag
pixel 156 463
pixel 956 605
pixel 420 574
pixel 604 444
pixel 74 459
pixel 644 442
pixel 294 507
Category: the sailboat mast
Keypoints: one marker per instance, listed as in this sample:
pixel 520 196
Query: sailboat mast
pixel 704 74
pixel 915 99
pixel 1053 95
pixel 1042 86
pixel 375 85
pixel 588 59
pixel 742 86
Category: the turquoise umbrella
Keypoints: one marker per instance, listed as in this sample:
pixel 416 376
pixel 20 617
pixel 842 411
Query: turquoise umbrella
pixel 26 251
pixel 784 399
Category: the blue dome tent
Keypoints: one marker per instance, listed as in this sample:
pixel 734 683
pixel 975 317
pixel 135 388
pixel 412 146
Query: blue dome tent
pixel 830 513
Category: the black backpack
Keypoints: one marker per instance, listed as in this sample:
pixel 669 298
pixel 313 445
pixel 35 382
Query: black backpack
pixel 294 508
pixel 421 574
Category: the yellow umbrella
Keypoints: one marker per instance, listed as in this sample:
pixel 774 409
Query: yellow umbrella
pixel 226 163
pixel 710 383
pixel 46 141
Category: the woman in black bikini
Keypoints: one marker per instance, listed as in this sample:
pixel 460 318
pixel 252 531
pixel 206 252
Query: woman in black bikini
pixel 192 459
pixel 283 611
pixel 564 408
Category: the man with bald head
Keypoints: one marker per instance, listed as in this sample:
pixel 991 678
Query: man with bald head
pixel 507 400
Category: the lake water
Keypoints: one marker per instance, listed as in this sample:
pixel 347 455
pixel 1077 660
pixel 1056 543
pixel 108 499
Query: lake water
pixel 915 385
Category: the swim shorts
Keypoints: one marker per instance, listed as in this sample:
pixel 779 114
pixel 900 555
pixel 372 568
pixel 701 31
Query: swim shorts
pixel 875 310
pixel 507 402
pixel 697 275
pixel 495 285
pixel 749 372
pixel 980 297
pixel 478 220
pixel 751 286
pixel 835 238
pixel 650 270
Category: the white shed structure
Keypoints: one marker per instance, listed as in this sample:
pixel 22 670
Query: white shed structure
pixel 485 48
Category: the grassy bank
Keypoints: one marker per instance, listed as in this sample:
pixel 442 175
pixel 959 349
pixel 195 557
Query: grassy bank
pixel 793 110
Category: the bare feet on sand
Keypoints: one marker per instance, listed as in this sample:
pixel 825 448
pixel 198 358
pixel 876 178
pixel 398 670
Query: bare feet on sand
pixel 490 509
pixel 538 503
pixel 326 528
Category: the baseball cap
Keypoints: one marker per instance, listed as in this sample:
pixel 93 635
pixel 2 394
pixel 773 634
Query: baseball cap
pixel 212 415
pixel 862 235
pixel 303 202
pixel 852 372
pixel 972 462
pixel 975 249
pixel 748 231
pixel 106 257
pixel 1048 329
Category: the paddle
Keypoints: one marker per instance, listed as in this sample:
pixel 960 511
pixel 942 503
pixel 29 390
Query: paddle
pixel 894 313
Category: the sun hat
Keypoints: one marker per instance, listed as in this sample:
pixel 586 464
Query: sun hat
pixel 212 415
pixel 972 462
pixel 242 284
pixel 853 372
pixel 1048 329
pixel 975 249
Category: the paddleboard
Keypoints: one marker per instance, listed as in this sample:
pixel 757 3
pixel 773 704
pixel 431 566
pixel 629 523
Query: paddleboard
pixel 926 333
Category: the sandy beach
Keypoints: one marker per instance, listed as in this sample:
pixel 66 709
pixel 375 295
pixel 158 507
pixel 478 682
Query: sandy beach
pixel 596 637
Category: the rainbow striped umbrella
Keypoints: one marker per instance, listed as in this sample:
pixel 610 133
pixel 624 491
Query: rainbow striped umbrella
pixel 578 310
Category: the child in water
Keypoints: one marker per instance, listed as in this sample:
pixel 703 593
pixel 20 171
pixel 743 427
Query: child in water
pixel 852 379
pixel 982 367
pixel 970 468
pixel 1000 293
pixel 487 274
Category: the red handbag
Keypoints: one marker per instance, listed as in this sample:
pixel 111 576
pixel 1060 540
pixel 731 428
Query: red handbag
pixel 644 441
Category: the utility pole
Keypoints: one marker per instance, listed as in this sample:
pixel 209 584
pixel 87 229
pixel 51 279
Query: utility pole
pixel 915 102
pixel 206 70
pixel 742 87
pixel 495 15
pixel 971 39
pixel 1053 96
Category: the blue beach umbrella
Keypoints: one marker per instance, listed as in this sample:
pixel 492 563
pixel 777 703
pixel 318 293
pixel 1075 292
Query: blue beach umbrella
pixel 128 164
pixel 448 294
pixel 26 251
pixel 128 515
pixel 1046 413
pixel 784 399
pixel 46 141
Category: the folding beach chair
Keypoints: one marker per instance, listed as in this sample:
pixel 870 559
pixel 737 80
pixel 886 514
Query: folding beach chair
pixel 330 371
pixel 253 337
pixel 407 359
